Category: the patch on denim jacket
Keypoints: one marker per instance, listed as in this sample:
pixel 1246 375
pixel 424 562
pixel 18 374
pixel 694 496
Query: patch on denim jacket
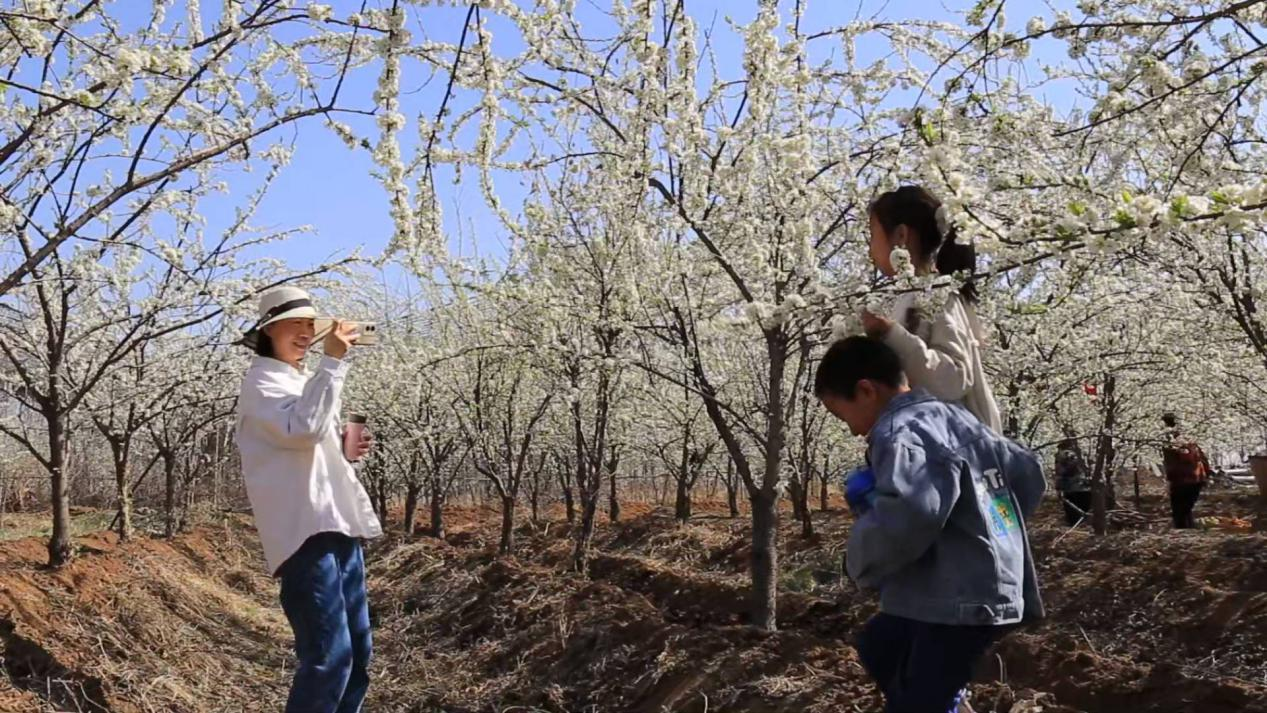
pixel 997 503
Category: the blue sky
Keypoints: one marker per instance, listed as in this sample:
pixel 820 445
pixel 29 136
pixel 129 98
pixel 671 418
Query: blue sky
pixel 330 187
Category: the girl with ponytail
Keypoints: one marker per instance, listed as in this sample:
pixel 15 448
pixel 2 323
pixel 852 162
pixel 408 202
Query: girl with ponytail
pixel 941 352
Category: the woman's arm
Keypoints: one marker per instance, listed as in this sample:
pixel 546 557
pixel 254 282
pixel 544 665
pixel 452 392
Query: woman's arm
pixel 291 421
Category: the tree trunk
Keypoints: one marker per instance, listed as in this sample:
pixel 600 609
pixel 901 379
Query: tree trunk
pixel 382 507
pixel 589 483
pixel 711 487
pixel 1013 426
pixel 217 470
pixel 824 478
pixel 765 561
pixel 59 546
pixel 613 503
pixel 1104 446
pixel 1099 511
pixel 437 512
pixel 125 514
pixel 169 501
pixel 765 500
pixel 411 507
pixel 732 489
pixel 1139 500
pixel 589 512
pixel 801 493
pixel 1110 479
pixel 534 499
pixel 123 493
pixel 569 503
pixel 189 485
pixel 682 506
pixel 508 526
pixel 794 493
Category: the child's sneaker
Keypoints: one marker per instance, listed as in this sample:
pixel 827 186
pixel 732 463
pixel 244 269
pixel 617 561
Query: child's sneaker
pixel 961 703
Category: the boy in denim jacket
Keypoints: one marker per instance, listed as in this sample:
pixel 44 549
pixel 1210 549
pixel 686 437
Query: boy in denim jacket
pixel 942 536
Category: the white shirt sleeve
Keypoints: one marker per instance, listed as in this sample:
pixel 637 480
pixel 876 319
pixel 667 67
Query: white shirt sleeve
pixel 942 365
pixel 290 421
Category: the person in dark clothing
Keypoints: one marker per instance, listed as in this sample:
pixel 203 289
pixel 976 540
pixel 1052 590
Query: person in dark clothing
pixel 1072 482
pixel 1186 469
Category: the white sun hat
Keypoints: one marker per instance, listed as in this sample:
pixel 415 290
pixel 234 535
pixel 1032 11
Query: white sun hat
pixel 279 304
pixel 285 303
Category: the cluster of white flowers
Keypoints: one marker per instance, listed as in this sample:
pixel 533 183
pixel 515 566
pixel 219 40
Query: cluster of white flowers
pixel 344 132
pixel 170 253
pixel 1140 211
pixel 900 259
pixel 10 216
pixel 320 13
pixel 130 61
pixel 878 303
pixel 279 154
pixel 30 35
pixel 387 152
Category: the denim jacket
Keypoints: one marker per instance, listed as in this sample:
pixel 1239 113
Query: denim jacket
pixel 945 540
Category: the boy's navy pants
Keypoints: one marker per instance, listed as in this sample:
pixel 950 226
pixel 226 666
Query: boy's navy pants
pixel 922 667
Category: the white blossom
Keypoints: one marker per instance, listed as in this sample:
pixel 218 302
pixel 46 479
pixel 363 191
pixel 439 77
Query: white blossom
pixel 130 61
pixel 900 259
pixel 318 12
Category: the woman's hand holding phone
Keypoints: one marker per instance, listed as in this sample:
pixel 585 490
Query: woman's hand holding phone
pixel 340 339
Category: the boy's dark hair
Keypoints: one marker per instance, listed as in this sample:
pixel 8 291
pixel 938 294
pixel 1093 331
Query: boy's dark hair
pixel 916 208
pixel 853 359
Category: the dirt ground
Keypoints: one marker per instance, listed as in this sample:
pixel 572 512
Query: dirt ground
pixel 152 625
pixel 1143 619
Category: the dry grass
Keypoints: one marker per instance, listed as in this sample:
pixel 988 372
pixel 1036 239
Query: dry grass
pixel 17 526
pixel 148 626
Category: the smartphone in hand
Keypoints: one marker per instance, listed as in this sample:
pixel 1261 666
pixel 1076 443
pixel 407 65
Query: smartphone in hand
pixel 368 332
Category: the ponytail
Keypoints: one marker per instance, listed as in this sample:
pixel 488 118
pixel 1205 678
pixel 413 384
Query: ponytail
pixel 954 257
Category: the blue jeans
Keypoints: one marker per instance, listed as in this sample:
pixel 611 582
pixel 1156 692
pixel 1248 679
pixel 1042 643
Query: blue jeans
pixel 323 595
pixel 922 667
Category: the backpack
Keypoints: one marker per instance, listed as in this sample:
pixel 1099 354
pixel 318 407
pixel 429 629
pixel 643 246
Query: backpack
pixel 1185 464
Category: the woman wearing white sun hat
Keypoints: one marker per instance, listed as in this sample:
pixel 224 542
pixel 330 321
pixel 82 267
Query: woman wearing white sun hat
pixel 309 507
